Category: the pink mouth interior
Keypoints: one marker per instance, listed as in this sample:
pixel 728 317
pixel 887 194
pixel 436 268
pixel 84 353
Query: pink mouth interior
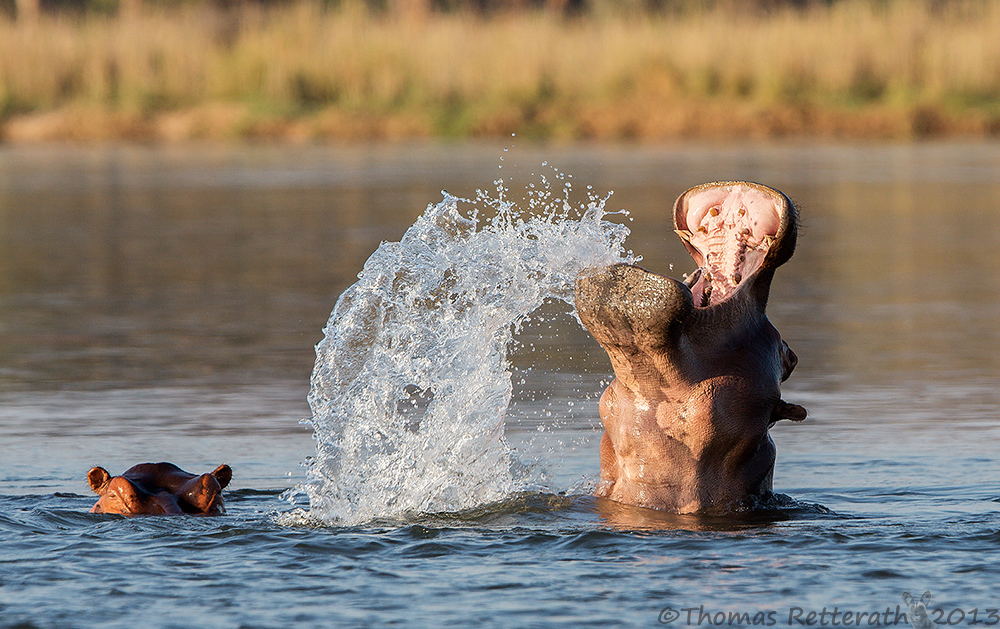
pixel 730 229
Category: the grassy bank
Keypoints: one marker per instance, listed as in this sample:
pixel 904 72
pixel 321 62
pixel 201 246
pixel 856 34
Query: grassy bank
pixel 849 69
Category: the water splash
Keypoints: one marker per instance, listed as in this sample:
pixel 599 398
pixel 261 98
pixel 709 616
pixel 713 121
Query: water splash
pixel 412 382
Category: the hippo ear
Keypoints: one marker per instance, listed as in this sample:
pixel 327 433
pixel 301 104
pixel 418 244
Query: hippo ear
pixel 223 474
pixel 784 410
pixel 98 478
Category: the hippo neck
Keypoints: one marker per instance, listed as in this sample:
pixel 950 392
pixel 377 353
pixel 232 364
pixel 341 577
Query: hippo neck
pixel 678 360
pixel 732 337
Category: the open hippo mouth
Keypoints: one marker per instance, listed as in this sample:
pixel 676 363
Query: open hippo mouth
pixel 732 230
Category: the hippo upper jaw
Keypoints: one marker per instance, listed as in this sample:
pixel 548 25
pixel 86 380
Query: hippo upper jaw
pixel 738 233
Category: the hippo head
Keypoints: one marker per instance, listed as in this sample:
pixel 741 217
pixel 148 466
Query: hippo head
pixel 697 364
pixel 159 489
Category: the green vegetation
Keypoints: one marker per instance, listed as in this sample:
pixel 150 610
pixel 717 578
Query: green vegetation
pixel 345 71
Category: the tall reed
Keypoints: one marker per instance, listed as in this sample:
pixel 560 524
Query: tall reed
pixel 854 68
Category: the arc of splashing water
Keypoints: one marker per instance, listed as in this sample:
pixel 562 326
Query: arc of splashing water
pixel 412 380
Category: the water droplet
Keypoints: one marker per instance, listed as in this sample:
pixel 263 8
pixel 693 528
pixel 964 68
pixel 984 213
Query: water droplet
pixel 437 311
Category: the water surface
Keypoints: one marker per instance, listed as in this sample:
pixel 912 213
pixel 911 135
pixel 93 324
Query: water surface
pixel 163 304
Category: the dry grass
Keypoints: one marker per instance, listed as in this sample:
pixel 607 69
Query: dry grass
pixel 851 69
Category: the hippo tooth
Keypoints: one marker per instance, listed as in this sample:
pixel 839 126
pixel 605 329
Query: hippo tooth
pixel 691 280
pixel 684 234
pixel 706 295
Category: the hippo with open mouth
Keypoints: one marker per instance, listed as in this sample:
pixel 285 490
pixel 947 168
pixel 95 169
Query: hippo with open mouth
pixel 159 489
pixel 697 364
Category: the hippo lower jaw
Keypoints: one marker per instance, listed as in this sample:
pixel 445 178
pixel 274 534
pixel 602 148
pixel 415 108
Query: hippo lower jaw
pixel 697 364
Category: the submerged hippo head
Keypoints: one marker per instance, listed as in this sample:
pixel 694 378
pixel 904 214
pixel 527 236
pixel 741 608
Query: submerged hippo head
pixel 159 489
pixel 697 364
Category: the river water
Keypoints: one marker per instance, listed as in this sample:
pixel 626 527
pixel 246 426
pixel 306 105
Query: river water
pixel 165 303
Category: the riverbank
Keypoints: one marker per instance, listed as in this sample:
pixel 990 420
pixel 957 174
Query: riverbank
pixel 297 72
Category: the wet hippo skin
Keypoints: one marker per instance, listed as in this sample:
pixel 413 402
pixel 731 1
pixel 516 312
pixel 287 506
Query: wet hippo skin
pixel 159 489
pixel 697 364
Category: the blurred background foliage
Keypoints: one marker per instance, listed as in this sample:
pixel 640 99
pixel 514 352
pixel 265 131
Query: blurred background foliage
pixel 479 7
pixel 315 70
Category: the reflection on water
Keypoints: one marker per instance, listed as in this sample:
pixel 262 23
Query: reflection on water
pixel 124 266
pixel 213 269
pixel 164 304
